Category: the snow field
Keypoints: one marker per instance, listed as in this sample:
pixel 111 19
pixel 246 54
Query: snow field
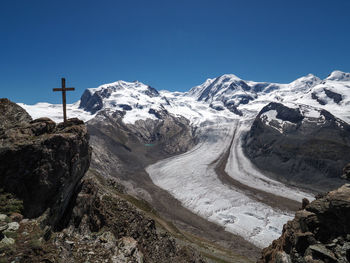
pixel 55 111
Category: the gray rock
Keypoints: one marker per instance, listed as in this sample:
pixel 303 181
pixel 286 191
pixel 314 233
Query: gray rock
pixel 6 241
pixel 322 250
pixel 3 226
pixel 107 237
pixel 69 242
pixel 13 226
pixel 283 257
pixel 127 251
pixel 3 217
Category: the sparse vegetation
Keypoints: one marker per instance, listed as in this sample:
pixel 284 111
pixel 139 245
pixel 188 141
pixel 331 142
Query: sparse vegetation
pixel 9 204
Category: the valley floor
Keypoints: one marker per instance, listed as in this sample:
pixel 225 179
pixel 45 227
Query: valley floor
pixel 193 178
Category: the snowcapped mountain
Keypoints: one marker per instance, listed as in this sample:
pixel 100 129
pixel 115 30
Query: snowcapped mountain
pixel 120 95
pixel 191 144
pixel 300 144
pixel 222 96
pixel 339 76
pixel 229 91
pixel 242 97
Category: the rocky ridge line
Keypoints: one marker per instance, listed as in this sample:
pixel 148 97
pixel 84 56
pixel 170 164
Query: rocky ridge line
pixel 319 233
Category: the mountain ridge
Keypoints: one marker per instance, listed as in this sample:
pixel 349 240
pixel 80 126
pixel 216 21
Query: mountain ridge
pixel 133 120
pixel 224 93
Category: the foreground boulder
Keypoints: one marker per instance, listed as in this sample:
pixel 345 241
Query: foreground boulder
pixel 41 162
pixel 318 233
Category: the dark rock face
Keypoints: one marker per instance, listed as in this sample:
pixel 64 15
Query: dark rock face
pixel 283 113
pixel 315 97
pixel 151 92
pixel 309 152
pixel 336 97
pixel 245 99
pixel 333 95
pixel 91 102
pixel 125 107
pixel 233 108
pixel 155 113
pixel 41 162
pixel 318 233
pixel 218 108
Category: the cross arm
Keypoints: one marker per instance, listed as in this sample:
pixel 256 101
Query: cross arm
pixel 66 89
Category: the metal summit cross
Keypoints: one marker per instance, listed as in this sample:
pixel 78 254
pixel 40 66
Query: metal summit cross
pixel 64 89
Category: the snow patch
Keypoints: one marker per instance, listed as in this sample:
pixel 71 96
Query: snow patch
pixel 55 111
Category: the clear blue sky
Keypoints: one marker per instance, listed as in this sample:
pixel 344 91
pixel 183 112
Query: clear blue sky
pixel 167 44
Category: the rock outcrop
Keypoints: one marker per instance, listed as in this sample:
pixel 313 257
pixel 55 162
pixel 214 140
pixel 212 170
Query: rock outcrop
pixel 300 145
pixel 41 162
pixel 318 233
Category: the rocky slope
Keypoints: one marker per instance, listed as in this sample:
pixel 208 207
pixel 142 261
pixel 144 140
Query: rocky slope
pixel 301 145
pixel 51 212
pixel 318 233
pixel 101 224
pixel 122 149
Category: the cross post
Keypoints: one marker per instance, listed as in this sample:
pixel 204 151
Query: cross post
pixel 64 89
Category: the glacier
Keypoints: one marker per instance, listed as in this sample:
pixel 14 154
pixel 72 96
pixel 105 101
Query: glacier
pixel 221 110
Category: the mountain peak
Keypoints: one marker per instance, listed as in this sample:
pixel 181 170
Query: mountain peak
pixel 339 76
pixel 307 81
pixel 230 76
pixel 120 84
pixel 121 94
